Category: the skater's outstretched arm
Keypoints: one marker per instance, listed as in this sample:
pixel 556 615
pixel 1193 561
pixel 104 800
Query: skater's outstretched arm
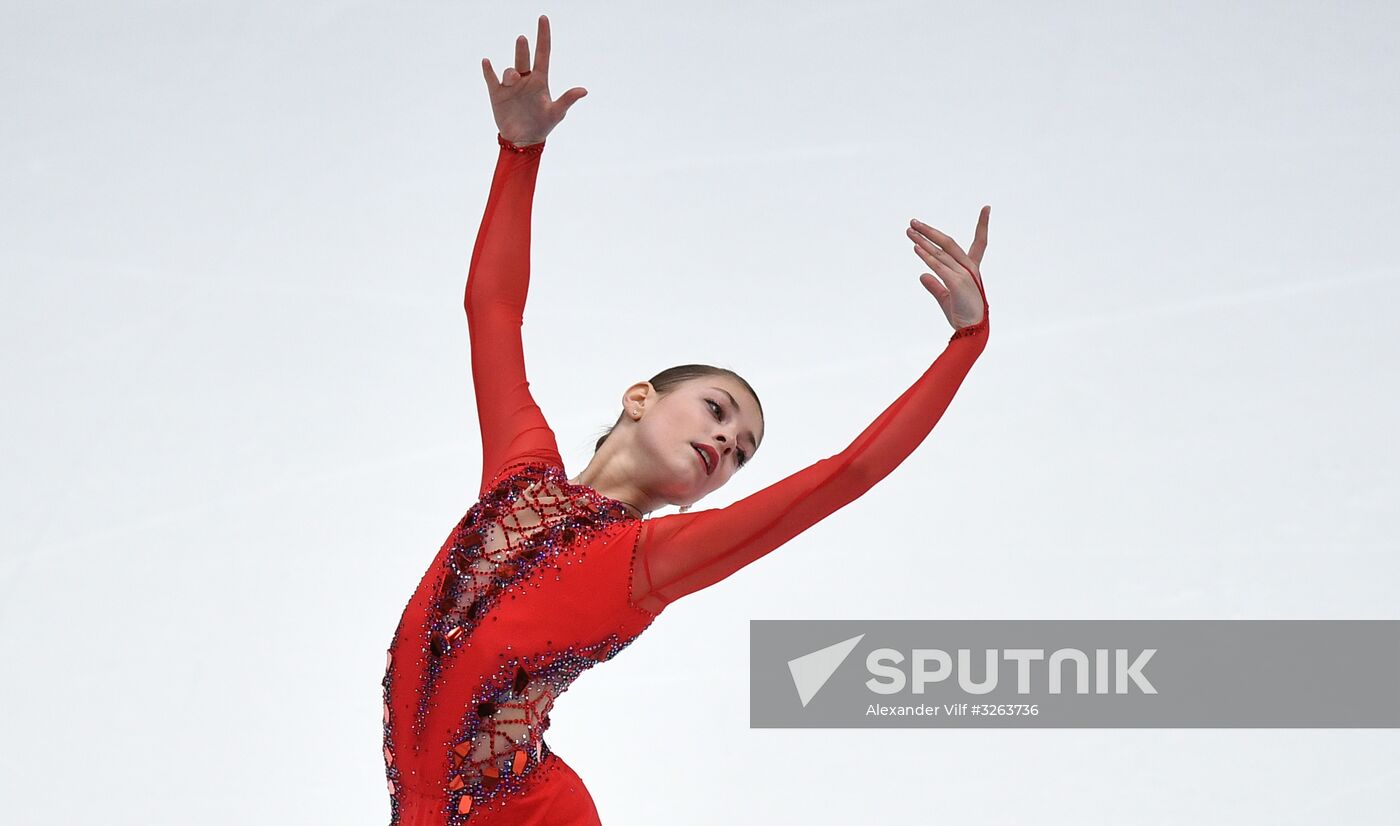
pixel 683 553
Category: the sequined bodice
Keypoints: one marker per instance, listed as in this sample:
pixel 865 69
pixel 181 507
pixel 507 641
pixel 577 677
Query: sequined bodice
pixel 525 521
pixel 536 560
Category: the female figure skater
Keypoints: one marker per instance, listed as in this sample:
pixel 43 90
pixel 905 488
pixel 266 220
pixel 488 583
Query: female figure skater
pixel 547 575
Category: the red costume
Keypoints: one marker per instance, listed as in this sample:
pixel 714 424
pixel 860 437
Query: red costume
pixel 542 578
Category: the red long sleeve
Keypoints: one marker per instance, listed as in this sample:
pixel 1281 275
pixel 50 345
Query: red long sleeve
pixel 513 430
pixel 683 553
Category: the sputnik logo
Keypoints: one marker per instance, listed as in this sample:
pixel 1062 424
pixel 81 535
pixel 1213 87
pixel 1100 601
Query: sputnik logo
pixel 811 671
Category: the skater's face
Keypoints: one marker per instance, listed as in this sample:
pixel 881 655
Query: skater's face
pixel 696 436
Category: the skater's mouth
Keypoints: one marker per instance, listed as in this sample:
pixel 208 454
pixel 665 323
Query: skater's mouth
pixel 708 455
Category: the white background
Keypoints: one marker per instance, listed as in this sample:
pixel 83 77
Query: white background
pixel 238 420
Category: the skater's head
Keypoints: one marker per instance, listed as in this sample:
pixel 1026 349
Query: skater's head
pixel 685 432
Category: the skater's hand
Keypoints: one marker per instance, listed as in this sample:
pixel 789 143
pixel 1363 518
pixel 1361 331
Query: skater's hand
pixel 960 293
pixel 520 100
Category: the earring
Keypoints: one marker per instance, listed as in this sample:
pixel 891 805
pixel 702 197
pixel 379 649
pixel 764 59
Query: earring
pixel 685 508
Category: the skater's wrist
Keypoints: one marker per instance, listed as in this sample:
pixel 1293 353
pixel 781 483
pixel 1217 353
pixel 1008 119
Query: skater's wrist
pixel 520 142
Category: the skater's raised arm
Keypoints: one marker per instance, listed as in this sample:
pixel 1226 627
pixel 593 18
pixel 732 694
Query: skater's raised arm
pixel 683 553
pixel 513 429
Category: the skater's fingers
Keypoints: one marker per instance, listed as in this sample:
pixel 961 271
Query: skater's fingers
pixel 492 84
pixel 933 285
pixel 931 252
pixel 522 54
pixel 940 263
pixel 979 240
pixel 945 242
pixel 542 47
